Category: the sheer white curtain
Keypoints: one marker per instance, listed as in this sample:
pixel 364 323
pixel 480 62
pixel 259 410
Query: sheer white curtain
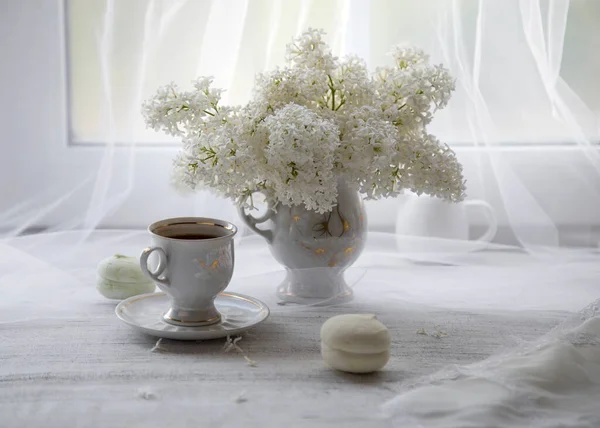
pixel 524 118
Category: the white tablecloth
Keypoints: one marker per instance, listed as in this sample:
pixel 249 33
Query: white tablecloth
pixel 67 361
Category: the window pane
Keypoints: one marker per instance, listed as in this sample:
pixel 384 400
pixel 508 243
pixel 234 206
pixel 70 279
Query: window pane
pixel 502 53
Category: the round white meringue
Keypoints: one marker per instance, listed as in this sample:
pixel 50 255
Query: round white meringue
pixel 355 343
pixel 120 277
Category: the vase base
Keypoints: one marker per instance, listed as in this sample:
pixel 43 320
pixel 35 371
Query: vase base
pixel 286 295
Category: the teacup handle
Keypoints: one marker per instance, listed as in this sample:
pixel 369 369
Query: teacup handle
pixel 162 265
pixel 253 221
pixel 490 216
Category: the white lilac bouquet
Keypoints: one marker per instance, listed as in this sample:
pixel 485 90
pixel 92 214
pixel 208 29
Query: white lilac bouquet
pixel 314 122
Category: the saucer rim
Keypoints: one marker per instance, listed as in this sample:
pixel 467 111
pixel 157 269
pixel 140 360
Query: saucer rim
pixel 186 332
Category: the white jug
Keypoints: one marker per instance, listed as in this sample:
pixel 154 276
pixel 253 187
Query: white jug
pixel 424 216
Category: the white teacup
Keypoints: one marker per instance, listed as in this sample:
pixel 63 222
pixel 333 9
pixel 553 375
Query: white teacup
pixel 194 264
pixel 424 216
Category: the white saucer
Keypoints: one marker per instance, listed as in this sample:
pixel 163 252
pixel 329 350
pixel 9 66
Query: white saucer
pixel 238 311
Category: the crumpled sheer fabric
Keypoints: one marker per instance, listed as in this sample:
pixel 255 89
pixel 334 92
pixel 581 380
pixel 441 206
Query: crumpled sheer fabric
pixel 552 382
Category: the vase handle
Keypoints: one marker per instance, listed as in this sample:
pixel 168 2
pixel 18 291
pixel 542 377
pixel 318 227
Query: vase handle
pixel 253 221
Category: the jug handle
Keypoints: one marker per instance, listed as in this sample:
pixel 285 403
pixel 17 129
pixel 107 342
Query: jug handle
pixel 252 222
pixel 490 215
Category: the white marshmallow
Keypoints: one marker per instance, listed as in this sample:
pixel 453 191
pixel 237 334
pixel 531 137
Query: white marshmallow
pixel 120 277
pixel 356 343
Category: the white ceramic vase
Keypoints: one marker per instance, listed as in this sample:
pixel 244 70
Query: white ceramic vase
pixel 315 248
